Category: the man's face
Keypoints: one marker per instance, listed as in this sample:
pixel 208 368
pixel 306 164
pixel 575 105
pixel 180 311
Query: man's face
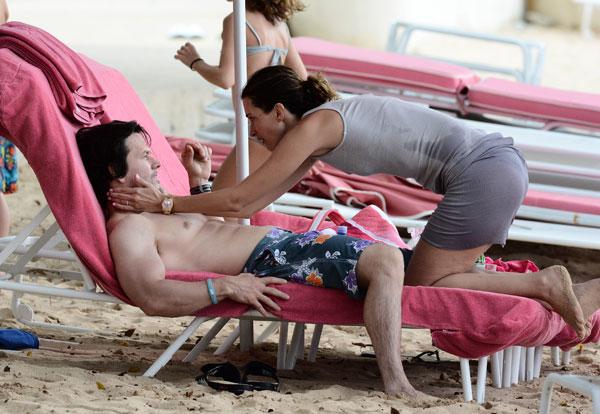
pixel 140 161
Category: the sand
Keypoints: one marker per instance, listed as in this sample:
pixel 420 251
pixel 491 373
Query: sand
pixel 101 371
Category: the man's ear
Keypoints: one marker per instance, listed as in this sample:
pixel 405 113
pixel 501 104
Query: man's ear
pixel 111 170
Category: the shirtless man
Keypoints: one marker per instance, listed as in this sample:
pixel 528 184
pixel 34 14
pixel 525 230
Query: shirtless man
pixel 145 245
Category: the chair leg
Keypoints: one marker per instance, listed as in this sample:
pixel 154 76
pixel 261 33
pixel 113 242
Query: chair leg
pixel 496 363
pixel 529 370
pixel 465 374
pixel 314 343
pixel 516 361
pixel 166 356
pixel 537 362
pixel 556 356
pixel 294 346
pixel 205 341
pixel 246 334
pixel 282 349
pixel 522 363
pixel 507 368
pixel 481 379
pixel 566 358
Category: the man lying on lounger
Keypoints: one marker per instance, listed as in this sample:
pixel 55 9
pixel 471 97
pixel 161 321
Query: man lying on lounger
pixel 145 245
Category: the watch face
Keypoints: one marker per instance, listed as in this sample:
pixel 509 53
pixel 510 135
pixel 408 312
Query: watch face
pixel 167 205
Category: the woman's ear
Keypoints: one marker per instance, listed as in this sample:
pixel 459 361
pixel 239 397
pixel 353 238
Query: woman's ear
pixel 279 111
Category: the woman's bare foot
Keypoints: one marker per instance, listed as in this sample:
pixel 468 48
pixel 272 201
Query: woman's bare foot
pixel 588 295
pixel 560 295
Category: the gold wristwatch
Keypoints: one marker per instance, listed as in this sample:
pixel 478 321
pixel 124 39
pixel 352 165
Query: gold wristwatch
pixel 167 205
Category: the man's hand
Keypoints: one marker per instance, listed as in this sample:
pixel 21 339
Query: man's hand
pixel 251 290
pixel 145 197
pixel 196 160
pixel 186 54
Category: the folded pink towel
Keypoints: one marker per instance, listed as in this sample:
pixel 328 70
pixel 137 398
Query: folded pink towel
pixel 76 90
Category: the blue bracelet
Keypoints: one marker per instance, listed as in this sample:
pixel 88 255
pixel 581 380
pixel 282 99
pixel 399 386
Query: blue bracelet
pixel 212 293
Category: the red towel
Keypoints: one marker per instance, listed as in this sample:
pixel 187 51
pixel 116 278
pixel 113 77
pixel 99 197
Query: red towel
pixel 76 90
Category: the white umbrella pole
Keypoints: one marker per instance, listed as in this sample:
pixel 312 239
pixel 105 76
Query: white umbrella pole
pixel 241 125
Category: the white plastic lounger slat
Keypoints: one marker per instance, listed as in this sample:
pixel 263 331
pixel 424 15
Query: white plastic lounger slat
pixel 57 292
pixel 205 341
pixel 565 190
pixel 23 234
pixel 400 33
pixel 521 230
pixel 267 332
pixel 228 342
pixel 221 108
pixel 559 216
pixel 166 356
pixel 222 132
pixel 589 386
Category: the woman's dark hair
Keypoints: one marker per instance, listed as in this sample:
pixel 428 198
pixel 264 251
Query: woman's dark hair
pixel 275 10
pixel 104 154
pixel 280 84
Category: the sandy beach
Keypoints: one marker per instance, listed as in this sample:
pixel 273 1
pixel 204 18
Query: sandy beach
pixel 101 371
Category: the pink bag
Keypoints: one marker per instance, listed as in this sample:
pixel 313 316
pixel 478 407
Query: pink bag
pixel 371 223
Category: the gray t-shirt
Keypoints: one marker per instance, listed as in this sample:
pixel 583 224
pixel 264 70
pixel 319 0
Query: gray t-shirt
pixel 392 136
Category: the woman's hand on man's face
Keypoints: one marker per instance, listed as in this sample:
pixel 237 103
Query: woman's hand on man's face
pixel 145 197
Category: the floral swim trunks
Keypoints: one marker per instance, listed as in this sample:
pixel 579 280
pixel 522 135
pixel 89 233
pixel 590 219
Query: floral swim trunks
pixel 311 258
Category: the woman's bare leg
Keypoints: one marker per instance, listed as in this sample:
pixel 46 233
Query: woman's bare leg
pixel 431 266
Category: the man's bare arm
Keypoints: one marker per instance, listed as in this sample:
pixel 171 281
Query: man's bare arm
pixel 141 273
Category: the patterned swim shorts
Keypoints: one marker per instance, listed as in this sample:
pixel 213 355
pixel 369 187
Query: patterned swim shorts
pixel 311 258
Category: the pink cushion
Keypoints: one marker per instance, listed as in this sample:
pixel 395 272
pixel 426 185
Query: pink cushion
pixel 549 104
pixel 385 68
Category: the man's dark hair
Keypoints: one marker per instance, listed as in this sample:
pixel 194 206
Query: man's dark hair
pixel 104 154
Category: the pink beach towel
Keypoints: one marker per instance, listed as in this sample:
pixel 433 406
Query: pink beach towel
pixel 75 88
pixel 465 323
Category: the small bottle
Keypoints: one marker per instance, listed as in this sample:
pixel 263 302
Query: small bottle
pixel 342 230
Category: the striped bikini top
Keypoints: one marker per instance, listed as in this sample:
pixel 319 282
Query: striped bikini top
pixel 279 53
